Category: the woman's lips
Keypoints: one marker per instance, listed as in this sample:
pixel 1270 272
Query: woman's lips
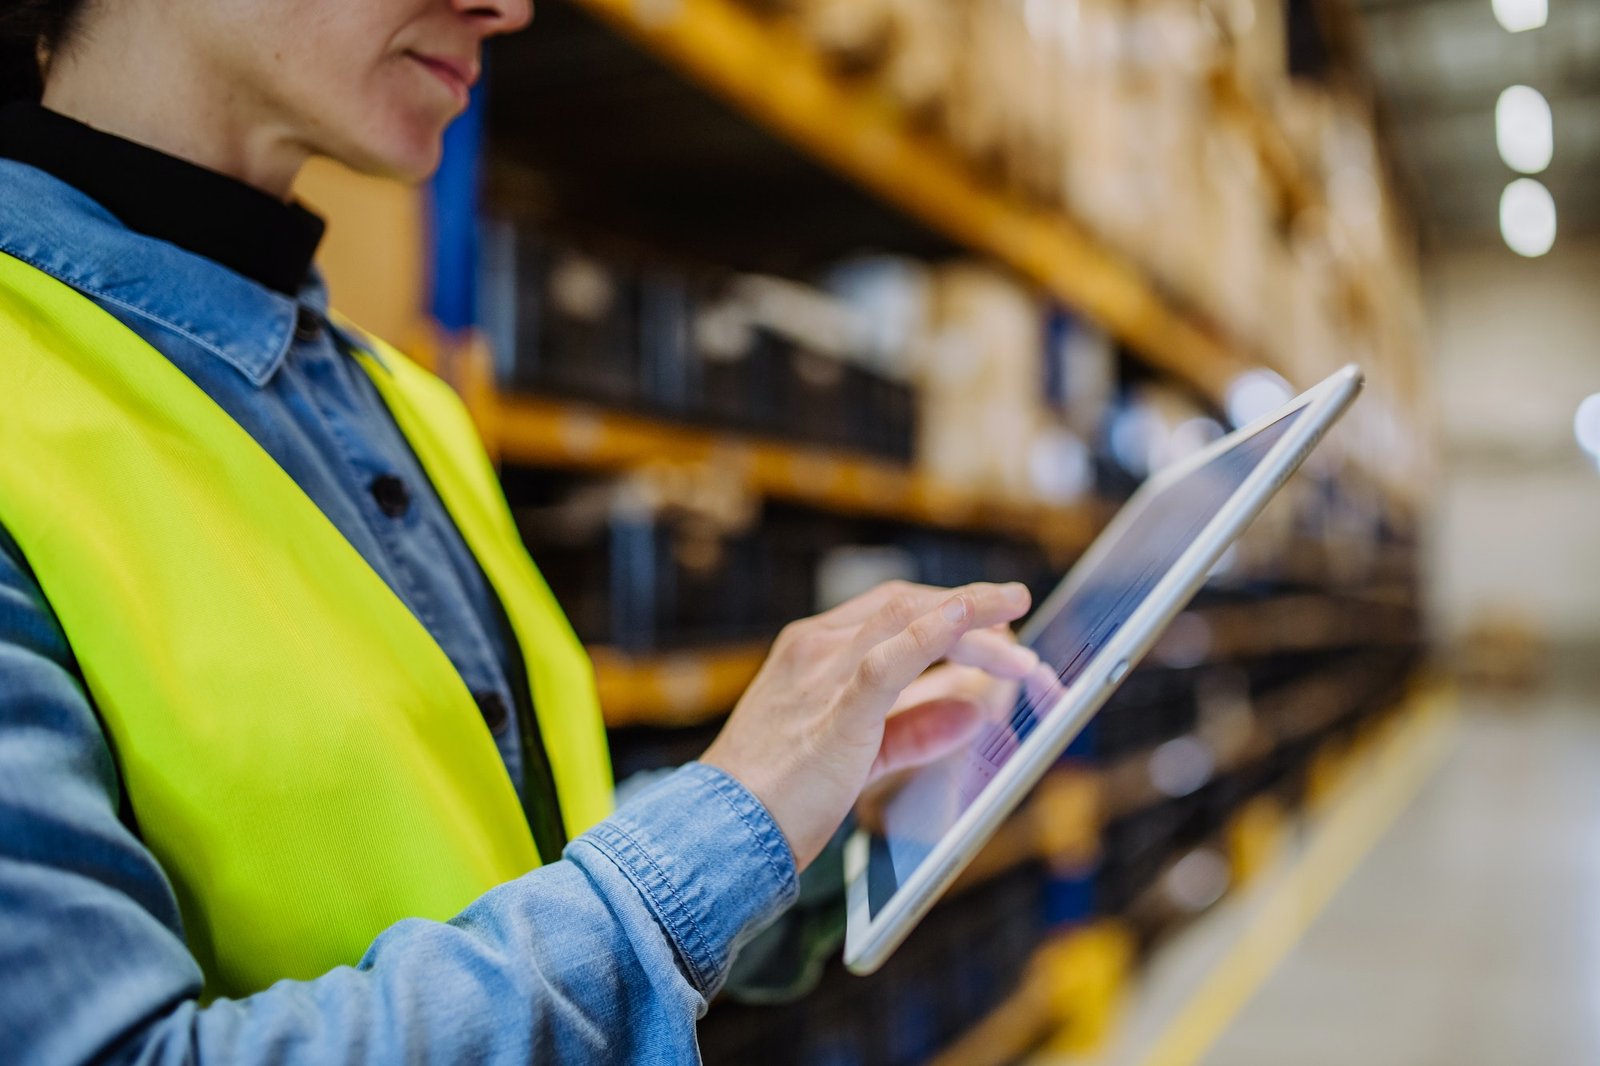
pixel 455 76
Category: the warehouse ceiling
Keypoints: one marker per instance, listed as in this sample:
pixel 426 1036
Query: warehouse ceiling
pixel 1439 66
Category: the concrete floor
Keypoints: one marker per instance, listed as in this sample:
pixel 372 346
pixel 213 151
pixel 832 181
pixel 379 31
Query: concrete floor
pixel 1468 936
pixel 1471 933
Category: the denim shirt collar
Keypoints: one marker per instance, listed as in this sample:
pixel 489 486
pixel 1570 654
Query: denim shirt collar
pixel 57 229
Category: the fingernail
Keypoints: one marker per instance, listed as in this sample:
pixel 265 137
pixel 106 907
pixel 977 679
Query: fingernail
pixel 955 610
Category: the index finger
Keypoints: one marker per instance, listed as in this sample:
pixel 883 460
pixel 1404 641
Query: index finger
pixel 891 664
pixel 858 609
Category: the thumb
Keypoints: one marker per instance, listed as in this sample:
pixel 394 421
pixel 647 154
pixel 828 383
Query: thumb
pixel 925 732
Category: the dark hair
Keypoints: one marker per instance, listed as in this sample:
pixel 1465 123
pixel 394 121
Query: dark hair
pixel 29 28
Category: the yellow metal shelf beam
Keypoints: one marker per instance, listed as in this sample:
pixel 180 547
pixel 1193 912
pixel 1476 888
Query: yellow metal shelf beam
pixel 690 688
pixel 1069 995
pixel 769 72
pixel 673 690
pixel 545 432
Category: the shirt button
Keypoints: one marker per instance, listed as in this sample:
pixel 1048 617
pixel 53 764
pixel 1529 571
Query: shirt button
pixel 494 710
pixel 307 325
pixel 394 499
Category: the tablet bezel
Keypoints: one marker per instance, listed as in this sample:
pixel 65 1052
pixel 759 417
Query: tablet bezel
pixel 870 940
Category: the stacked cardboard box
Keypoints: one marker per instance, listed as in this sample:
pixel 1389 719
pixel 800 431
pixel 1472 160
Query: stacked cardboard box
pixel 1173 131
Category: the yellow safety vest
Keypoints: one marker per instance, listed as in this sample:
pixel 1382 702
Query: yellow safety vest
pixel 299 753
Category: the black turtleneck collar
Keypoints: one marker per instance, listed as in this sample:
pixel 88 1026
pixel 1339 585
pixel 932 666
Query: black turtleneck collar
pixel 210 214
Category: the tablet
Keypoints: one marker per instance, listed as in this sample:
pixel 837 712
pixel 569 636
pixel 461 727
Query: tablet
pixel 1089 633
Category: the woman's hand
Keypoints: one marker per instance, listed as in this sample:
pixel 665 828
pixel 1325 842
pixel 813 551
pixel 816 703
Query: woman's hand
pixel 966 696
pixel 814 727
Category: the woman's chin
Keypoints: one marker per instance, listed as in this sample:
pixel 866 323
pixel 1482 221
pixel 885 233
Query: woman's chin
pixel 409 158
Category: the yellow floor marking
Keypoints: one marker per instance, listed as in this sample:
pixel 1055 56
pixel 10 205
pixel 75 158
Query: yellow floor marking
pixel 1370 801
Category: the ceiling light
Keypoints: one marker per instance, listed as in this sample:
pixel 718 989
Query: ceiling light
pixel 1522 129
pixel 1527 217
pixel 1586 425
pixel 1519 15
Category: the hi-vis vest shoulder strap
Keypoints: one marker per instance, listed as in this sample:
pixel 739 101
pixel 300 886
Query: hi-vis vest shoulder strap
pixel 299 754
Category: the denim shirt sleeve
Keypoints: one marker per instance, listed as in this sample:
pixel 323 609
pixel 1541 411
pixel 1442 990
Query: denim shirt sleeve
pixel 610 955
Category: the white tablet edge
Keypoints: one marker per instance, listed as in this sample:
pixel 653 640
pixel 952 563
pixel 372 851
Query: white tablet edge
pixel 869 941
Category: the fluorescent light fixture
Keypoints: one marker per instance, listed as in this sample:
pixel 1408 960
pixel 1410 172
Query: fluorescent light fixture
pixel 1527 217
pixel 1586 425
pixel 1255 393
pixel 1519 15
pixel 1522 129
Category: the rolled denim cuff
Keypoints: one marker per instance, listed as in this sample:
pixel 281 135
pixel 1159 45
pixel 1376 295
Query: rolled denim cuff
pixel 708 860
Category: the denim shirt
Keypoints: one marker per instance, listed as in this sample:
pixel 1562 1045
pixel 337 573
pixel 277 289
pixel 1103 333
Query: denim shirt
pixel 610 954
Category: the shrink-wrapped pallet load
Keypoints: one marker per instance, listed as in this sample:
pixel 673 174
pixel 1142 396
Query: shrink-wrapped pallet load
pixel 1032 155
pixel 919 71
pixel 854 35
pixel 977 114
pixel 1097 159
pixel 1165 82
pixel 1244 231
pixel 980 381
pixel 1254 43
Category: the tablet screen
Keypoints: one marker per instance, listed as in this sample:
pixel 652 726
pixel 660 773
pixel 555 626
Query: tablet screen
pixel 1095 605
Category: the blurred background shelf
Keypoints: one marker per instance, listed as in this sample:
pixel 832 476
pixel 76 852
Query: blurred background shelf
pixel 700 211
pixel 693 687
pixel 1241 104
pixel 550 433
pixel 761 113
pixel 674 689
pixel 1076 984
pixel 768 70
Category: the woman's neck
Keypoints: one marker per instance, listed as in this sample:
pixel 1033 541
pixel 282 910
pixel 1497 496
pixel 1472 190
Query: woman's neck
pixel 177 108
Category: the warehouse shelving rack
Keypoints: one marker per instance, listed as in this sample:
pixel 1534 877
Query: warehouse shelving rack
pixel 690 688
pixel 540 432
pixel 766 72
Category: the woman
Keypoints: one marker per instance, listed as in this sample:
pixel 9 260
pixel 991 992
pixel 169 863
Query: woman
pixel 298 761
